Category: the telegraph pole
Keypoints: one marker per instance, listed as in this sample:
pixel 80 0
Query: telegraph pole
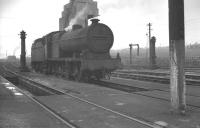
pixel 177 55
pixel 149 25
pixel 150 53
pixel 152 56
pixel 130 45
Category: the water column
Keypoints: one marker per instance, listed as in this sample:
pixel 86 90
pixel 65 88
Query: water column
pixel 23 67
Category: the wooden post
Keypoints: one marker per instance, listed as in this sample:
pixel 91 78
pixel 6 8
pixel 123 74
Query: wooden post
pixel 150 52
pixel 177 55
pixel 130 45
pixel 138 49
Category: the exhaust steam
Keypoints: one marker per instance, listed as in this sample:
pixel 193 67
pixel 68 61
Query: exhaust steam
pixel 79 16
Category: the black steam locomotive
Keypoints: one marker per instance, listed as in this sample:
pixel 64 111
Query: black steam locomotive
pixel 80 53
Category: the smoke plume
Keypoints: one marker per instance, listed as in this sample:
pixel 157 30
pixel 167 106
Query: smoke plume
pixel 79 16
pixel 15 50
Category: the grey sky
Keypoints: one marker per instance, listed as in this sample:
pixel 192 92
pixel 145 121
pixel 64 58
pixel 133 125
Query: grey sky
pixel 6 4
pixel 127 19
pixel 145 4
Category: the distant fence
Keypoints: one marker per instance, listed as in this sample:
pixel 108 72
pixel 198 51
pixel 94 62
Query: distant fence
pixel 161 62
pixel 192 62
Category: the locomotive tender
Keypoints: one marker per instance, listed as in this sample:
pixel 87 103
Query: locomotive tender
pixel 80 53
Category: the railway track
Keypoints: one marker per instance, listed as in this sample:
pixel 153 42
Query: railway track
pixel 125 88
pixel 187 69
pixel 134 90
pixel 53 91
pixel 31 92
pixel 160 77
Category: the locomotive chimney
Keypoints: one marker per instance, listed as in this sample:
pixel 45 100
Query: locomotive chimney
pixel 95 21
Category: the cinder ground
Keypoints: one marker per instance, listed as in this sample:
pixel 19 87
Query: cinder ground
pixel 18 111
pixel 136 104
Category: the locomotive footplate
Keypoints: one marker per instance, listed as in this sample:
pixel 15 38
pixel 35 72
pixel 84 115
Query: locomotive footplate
pixel 81 69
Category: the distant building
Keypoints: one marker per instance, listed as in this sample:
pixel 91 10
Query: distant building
pixel 78 12
pixel 11 58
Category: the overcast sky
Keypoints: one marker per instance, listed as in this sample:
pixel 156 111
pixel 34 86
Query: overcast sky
pixel 127 18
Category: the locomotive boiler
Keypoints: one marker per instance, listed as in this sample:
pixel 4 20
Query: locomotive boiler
pixel 79 53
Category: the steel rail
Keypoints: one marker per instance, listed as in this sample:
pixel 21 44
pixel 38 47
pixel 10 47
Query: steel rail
pixel 154 78
pixel 135 119
pixel 34 99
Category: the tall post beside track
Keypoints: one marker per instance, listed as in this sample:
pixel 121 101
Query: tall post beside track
pixel 150 59
pixel 177 55
pixel 152 54
pixel 130 45
pixel 23 52
pixel 131 54
pixel 138 49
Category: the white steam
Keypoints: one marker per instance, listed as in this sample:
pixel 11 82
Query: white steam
pixel 79 16
pixel 15 50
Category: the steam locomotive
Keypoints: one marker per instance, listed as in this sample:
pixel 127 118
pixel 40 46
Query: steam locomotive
pixel 80 53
